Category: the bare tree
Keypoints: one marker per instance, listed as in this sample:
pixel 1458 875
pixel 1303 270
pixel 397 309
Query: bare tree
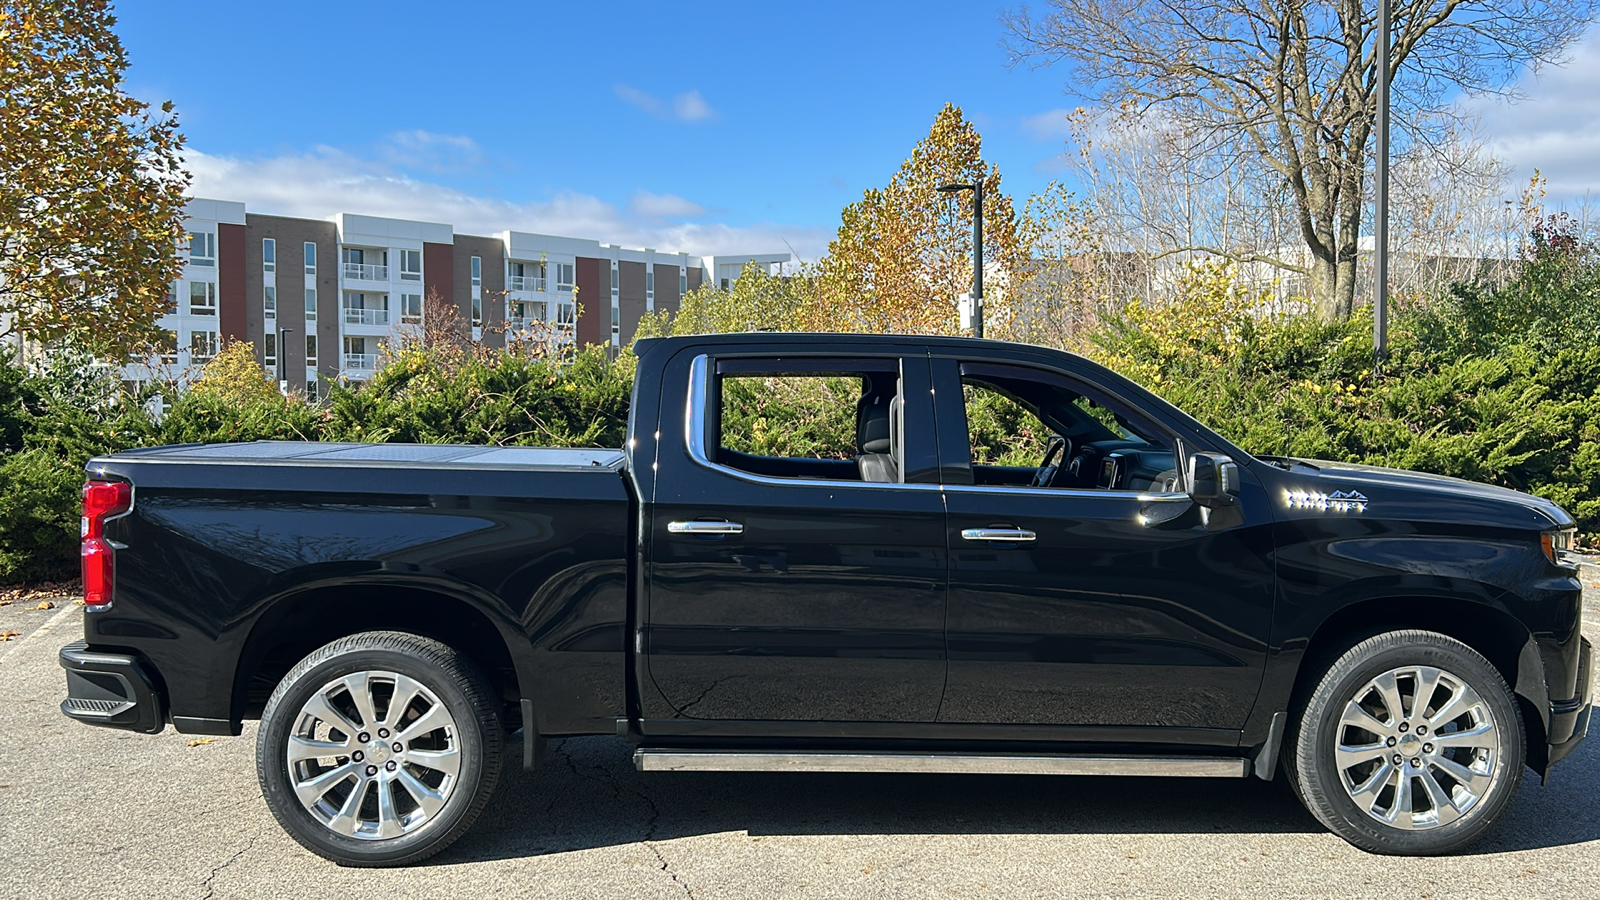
pixel 1288 88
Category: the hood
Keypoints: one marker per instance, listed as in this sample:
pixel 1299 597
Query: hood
pixel 1345 477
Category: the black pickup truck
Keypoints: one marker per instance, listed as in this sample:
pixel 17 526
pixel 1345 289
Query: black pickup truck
pixel 1146 599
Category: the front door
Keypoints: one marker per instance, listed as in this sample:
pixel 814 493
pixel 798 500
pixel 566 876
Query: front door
pixel 1093 595
pixel 796 560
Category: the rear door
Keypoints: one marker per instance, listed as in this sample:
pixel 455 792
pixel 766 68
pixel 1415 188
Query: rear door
pixel 1105 603
pixel 781 587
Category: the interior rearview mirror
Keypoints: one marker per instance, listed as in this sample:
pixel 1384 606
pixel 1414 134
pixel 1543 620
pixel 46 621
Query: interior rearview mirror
pixel 1213 479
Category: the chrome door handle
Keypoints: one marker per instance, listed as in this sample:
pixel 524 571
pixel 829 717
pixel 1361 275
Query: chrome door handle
pixel 998 534
pixel 704 527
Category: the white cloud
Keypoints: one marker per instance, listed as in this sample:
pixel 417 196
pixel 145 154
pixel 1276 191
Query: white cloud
pixel 1554 127
pixel 691 107
pixel 664 206
pixel 687 107
pixel 325 181
pixel 1049 126
pixel 418 149
pixel 638 98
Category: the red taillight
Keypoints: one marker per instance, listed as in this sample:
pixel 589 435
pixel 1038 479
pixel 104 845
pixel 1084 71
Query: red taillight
pixel 101 501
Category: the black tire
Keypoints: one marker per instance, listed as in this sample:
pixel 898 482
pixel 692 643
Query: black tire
pixel 1492 765
pixel 474 732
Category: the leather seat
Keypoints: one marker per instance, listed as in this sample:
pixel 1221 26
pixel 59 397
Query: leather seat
pixel 877 436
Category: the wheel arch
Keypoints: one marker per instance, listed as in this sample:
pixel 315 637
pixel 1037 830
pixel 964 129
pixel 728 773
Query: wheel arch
pixel 298 622
pixel 1491 631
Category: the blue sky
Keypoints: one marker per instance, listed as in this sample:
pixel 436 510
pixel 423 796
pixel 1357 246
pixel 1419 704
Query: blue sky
pixel 712 127
pixel 723 120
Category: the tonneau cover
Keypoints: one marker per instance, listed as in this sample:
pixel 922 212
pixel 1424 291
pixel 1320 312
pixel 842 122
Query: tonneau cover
pixel 432 455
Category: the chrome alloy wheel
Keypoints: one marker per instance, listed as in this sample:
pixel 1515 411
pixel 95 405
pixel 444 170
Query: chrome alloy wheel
pixel 374 755
pixel 1415 748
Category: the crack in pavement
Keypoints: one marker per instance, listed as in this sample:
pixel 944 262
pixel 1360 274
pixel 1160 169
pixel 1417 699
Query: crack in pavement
pixel 212 891
pixel 618 788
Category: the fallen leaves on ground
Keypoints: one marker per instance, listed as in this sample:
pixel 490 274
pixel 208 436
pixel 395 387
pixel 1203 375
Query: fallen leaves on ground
pixel 45 604
pixel 199 741
pixel 8 635
pixel 32 593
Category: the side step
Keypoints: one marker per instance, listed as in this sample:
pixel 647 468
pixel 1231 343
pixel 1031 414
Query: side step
pixel 664 760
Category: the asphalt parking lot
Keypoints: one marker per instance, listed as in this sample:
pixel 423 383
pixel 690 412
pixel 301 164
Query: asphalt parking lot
pixel 101 814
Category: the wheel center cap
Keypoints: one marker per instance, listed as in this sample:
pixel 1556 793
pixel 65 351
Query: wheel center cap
pixel 379 750
pixel 1410 744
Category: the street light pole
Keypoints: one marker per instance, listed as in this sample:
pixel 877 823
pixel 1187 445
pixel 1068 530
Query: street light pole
pixel 1380 225
pixel 283 353
pixel 976 187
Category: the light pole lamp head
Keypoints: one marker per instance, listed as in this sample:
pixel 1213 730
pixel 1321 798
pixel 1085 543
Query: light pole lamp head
pixel 954 186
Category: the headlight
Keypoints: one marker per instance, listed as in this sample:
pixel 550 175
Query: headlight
pixel 1558 547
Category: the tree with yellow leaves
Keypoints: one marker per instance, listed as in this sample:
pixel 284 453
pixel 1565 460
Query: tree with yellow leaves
pixel 91 183
pixel 235 376
pixel 903 252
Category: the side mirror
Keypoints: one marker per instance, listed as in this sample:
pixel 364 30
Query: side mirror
pixel 1213 479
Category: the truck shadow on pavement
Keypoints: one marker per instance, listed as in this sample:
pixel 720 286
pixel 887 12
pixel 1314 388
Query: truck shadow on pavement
pixel 586 794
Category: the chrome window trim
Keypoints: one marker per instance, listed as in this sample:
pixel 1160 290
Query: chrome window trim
pixel 694 423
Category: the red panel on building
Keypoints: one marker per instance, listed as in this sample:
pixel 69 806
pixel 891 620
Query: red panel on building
pixel 438 264
pixel 230 282
pixel 594 302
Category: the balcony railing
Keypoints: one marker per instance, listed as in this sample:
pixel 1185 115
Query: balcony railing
pixel 362 272
pixel 364 362
pixel 355 316
pixel 525 283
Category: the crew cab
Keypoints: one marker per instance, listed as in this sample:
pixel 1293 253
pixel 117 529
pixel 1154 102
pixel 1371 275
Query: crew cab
pixel 1144 598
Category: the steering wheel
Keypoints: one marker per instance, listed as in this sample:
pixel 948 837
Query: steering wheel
pixel 1056 450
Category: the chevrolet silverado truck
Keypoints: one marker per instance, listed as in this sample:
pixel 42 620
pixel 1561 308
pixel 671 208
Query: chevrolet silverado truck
pixel 1143 599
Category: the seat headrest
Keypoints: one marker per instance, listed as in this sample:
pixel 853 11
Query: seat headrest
pixel 872 424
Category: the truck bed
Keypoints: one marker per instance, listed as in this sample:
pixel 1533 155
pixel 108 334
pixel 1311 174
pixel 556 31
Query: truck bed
pixel 238 558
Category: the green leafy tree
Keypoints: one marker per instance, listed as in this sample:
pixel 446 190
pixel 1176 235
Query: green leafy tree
pixel 91 183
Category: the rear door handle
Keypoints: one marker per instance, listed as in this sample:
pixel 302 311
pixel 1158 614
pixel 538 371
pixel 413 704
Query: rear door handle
pixel 703 527
pixel 1017 535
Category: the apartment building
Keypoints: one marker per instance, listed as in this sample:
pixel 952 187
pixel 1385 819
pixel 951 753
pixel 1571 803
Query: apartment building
pixel 319 298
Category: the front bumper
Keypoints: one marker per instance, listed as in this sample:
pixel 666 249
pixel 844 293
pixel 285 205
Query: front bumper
pixel 113 690
pixel 1569 722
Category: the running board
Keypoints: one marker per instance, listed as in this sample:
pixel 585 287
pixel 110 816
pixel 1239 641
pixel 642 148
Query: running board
pixel 649 760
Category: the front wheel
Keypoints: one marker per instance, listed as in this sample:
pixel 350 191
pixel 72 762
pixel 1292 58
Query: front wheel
pixel 379 749
pixel 1411 744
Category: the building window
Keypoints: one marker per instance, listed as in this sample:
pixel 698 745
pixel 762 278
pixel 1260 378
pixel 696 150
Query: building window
pixel 477 312
pixel 171 306
pixel 410 265
pixel 477 271
pixel 269 255
pixel 613 278
pixel 683 282
pixel 616 319
pixel 168 347
pixel 311 304
pixel 269 350
pixel 202 346
pixel 564 276
pixel 202 248
pixel 311 386
pixel 311 351
pixel 269 302
pixel 724 284
pixel 649 285
pixel 311 258
pixel 411 309
pixel 202 298
pixel 564 315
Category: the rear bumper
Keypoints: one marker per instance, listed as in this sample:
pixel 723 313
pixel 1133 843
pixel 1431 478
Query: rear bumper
pixel 113 690
pixel 1569 722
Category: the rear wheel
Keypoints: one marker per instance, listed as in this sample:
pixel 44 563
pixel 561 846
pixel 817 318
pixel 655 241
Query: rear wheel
pixel 379 749
pixel 1410 744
